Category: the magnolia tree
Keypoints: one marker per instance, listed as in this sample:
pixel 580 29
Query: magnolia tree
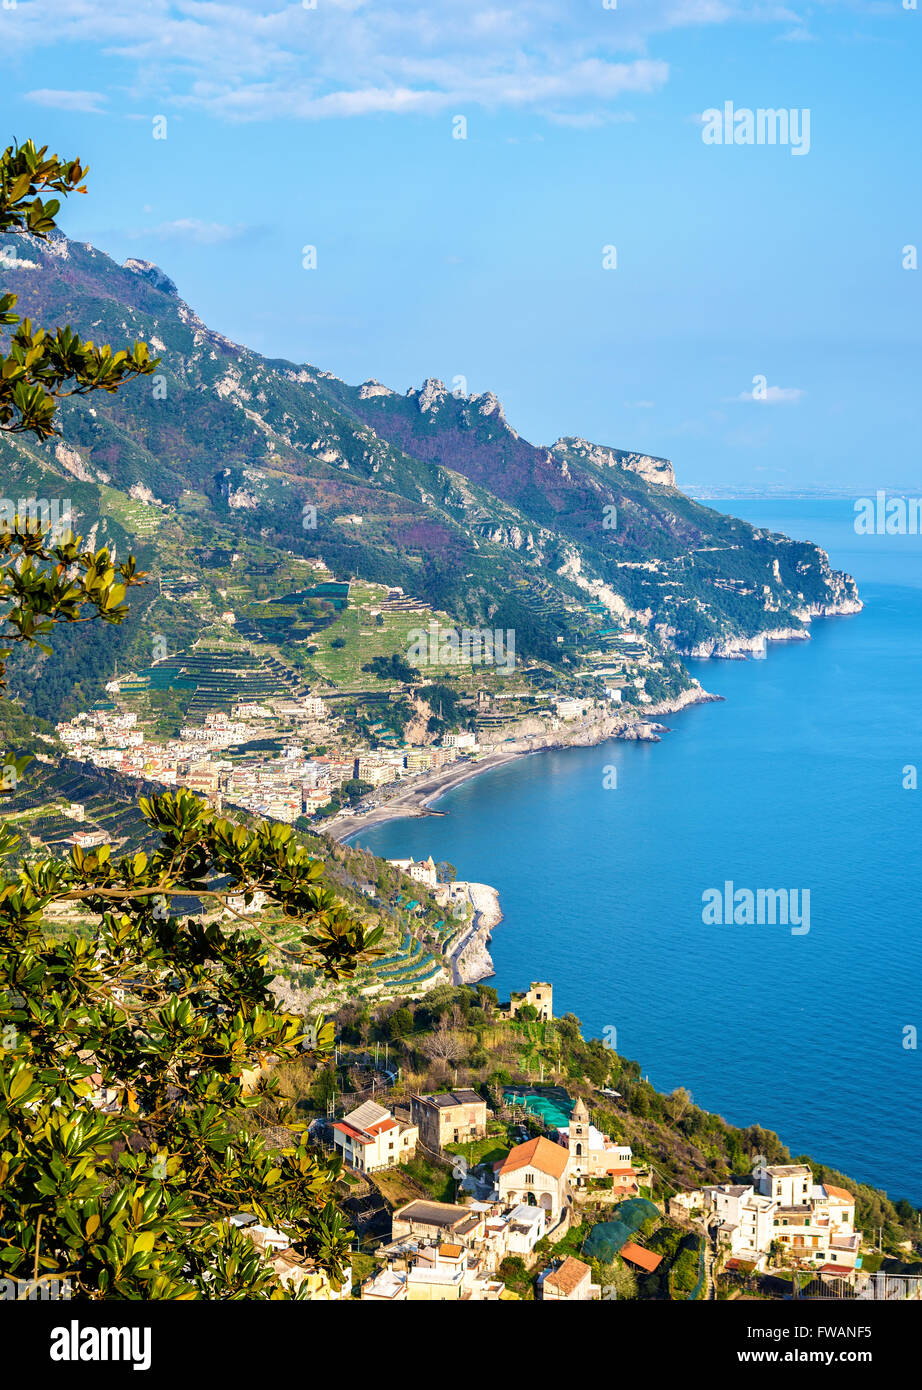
pixel 159 1013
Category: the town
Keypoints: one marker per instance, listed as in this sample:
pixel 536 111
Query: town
pixel 545 1204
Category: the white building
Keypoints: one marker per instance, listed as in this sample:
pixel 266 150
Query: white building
pixel 420 870
pixel 370 1138
pixel 808 1223
pixel 465 741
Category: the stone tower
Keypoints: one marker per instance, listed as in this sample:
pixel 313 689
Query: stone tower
pixel 579 1140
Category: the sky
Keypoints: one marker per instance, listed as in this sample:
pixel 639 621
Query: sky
pixel 526 198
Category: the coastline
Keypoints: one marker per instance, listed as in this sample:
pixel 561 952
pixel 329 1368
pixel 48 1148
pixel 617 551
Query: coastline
pixel 470 960
pixel 416 800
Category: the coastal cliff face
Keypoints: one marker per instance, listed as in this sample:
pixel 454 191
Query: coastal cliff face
pixel 596 726
pixel 473 962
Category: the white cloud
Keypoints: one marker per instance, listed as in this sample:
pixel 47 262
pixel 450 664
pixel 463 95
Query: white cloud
pixel 249 60
pixel 92 102
pixel 192 229
pixel 9 260
pixel 798 35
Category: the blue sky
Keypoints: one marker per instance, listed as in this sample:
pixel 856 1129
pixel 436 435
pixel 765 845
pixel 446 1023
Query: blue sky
pixel 482 257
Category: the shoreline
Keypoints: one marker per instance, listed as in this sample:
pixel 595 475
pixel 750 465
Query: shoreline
pixel 471 961
pixel 416 801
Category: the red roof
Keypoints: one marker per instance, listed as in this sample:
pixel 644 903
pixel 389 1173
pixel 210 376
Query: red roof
pixel 539 1153
pixel 639 1256
pixel 381 1127
pixel 352 1132
pixel 838 1192
pixel 841 1270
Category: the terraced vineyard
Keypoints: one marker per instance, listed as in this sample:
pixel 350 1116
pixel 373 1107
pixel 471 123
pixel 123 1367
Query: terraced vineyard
pixel 37 809
pixel 217 678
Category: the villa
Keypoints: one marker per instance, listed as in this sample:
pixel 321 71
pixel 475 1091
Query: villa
pixel 370 1138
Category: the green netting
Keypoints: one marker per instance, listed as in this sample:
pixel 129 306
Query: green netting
pixel 554 1112
pixel 606 1239
pixel 697 1290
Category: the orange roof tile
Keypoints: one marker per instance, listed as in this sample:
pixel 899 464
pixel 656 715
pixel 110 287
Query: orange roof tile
pixel 381 1127
pixel 569 1276
pixel 539 1153
pixel 839 1192
pixel 352 1132
pixel 637 1255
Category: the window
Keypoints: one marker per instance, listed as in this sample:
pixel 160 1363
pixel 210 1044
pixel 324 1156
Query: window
pixel 530 1177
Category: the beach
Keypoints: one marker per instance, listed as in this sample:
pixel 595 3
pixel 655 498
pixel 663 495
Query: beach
pixel 416 798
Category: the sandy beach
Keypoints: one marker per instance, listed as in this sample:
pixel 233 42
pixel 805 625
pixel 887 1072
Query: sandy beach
pixel 414 799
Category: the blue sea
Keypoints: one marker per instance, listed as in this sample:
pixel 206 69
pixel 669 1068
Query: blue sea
pixel 795 781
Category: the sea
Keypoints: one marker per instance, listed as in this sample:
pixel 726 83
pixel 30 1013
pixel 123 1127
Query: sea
pixel 804 777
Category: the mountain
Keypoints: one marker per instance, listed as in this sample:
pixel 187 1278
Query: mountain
pixel 428 490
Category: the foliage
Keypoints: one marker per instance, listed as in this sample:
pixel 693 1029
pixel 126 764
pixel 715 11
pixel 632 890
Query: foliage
pixel 123 1071
pixel 40 368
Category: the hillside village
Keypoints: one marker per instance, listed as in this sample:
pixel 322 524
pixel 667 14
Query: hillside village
pixel 503 1191
pixel 257 737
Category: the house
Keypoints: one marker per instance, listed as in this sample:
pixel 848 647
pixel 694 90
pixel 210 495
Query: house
pixel 740 1217
pixel 625 1181
pixel 370 1138
pixel 420 870
pixel 437 1276
pixel 525 1227
pixel 387 1286
pixel 89 839
pixel 535 1174
pixel 788 1184
pixel 312 798
pixel 540 996
pixel 449 1117
pixel 569 1282
pixel 292 1269
pixel 809 1223
pixel 813 1222
pixel 438 1221
pixel 236 903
